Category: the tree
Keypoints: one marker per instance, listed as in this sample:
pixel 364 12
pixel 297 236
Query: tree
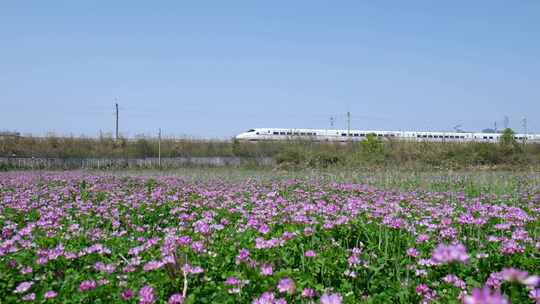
pixel 508 138
pixel 372 145
pixel 508 143
pixel 373 149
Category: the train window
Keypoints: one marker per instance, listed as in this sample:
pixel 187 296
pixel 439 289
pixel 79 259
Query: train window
pixel 491 137
pixel 362 134
pixel 302 133
pixel 289 133
pixel 257 133
pixel 380 135
pixel 430 136
pixel 276 133
pixel 250 130
pixel 356 134
pixel 281 133
pixel 343 134
pixel 485 137
pixel 418 135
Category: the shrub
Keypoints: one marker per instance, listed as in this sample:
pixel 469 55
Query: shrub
pixel 325 159
pixel 290 157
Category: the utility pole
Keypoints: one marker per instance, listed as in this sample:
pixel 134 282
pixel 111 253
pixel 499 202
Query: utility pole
pixel 332 122
pixel 349 124
pixel 524 130
pixel 116 106
pixel 159 148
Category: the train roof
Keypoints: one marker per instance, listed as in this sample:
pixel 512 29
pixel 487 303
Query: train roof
pixel 306 130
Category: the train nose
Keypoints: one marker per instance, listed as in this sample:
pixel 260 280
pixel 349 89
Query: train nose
pixel 241 136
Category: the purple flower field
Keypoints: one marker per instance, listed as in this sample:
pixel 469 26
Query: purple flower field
pixel 81 238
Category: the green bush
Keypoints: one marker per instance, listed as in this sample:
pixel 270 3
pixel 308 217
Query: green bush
pixel 290 157
pixel 325 159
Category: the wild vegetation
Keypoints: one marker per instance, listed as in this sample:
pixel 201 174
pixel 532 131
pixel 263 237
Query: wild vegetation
pixel 79 238
pixel 371 152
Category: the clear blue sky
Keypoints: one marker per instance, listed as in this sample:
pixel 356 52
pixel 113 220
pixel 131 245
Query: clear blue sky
pixel 215 68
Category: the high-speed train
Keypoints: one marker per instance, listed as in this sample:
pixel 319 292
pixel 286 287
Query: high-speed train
pixel 356 135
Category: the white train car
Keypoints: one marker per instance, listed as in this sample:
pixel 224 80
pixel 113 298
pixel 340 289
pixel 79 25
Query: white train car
pixel 258 134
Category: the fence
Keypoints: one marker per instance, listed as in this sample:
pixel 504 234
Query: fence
pixel 119 163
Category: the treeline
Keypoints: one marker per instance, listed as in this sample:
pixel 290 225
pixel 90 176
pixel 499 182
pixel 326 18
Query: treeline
pixel 411 155
pixel 292 154
pixel 140 147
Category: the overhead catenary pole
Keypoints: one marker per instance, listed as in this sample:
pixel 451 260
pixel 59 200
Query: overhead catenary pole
pixel 116 106
pixel 159 148
pixel 349 124
pixel 524 130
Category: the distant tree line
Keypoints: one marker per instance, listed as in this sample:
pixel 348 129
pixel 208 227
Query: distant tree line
pixel 287 154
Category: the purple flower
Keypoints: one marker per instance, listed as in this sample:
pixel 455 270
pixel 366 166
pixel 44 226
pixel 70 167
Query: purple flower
pixel 264 229
pixel 422 238
pixel 197 246
pixel 26 270
pixel 516 275
pixel 308 293
pixel 127 294
pixel 334 298
pixel 232 281
pixel 243 254
pixel 146 295
pixel 353 260
pixel 152 265
pixel 450 253
pixel 286 285
pixel 50 294
pixel 23 287
pixel 266 270
pixel 535 295
pixel 485 296
pixel 196 270
pixel 29 297
pixel 412 252
pixel 265 298
pixel 309 254
pixel 184 240
pixel 511 247
pixel 422 289
pixel 87 285
pixel 454 280
pixel 176 299
pixel 99 266
pixel 12 264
